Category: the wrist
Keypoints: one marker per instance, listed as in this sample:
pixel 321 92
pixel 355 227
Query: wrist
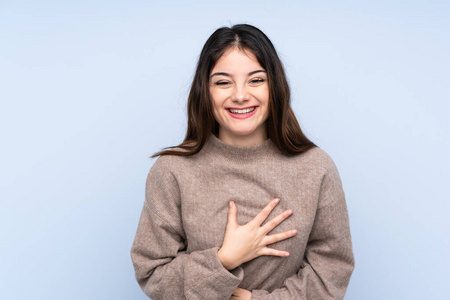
pixel 227 263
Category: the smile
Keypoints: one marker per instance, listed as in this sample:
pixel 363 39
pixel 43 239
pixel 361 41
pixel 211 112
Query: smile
pixel 242 113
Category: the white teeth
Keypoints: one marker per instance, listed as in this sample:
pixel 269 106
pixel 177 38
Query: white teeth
pixel 242 111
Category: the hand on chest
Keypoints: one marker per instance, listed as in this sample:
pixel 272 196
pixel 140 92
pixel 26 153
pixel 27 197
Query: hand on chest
pixel 204 205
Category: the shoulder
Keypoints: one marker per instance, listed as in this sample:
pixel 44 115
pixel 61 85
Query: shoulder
pixel 318 159
pixel 164 164
pixel 331 183
pixel 170 165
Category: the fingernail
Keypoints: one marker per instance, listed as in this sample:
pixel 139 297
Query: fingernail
pixel 290 212
pixel 293 231
pixel 276 200
pixel 286 253
pixel 231 204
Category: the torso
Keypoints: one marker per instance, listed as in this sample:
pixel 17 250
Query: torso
pixel 252 183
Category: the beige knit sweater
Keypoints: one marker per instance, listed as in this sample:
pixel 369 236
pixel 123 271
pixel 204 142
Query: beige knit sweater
pixel 183 221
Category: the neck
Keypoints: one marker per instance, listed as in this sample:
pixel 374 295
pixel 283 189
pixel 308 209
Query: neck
pixel 243 140
pixel 240 154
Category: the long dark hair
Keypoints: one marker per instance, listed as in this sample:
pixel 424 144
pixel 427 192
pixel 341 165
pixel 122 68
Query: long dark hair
pixel 281 126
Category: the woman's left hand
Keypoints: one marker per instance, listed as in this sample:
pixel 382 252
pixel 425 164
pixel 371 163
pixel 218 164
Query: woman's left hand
pixel 241 294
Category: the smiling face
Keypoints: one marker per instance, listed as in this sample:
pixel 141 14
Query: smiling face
pixel 240 97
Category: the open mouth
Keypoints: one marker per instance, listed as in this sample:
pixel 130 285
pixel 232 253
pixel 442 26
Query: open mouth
pixel 241 111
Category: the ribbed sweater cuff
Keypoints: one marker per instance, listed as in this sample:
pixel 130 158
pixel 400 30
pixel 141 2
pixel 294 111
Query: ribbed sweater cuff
pixel 220 282
pixel 233 277
pixel 258 294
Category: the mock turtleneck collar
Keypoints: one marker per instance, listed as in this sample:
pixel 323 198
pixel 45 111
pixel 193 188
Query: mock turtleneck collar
pixel 235 152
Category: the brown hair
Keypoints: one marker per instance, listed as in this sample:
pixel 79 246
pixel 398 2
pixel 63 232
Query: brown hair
pixel 282 126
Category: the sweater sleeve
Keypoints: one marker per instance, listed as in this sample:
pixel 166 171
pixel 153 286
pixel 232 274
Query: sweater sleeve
pixel 328 262
pixel 163 269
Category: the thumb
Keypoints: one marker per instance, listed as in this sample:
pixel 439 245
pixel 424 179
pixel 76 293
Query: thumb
pixel 232 212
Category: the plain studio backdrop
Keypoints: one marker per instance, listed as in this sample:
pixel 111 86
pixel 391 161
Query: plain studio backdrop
pixel 90 89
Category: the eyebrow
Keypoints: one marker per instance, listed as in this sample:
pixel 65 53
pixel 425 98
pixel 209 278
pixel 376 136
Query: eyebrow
pixel 226 74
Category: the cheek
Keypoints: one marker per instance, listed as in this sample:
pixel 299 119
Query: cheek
pixel 263 97
pixel 213 98
pixel 215 106
pixel 217 98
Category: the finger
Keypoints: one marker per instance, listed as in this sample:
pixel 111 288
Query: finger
pixel 273 252
pixel 263 214
pixel 269 226
pixel 232 212
pixel 270 239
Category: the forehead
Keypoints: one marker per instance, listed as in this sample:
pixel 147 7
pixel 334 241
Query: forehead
pixel 235 60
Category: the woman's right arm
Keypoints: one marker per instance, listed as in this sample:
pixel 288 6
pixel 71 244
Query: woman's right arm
pixel 163 269
pixel 246 242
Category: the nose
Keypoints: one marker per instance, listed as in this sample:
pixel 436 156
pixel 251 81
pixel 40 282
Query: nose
pixel 240 94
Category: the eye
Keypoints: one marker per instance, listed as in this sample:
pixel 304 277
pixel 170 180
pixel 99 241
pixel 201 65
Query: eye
pixel 221 83
pixel 257 80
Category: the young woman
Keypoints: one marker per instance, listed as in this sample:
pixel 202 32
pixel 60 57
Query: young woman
pixel 246 207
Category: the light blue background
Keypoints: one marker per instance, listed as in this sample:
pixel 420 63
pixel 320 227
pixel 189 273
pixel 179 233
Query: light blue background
pixel 90 89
